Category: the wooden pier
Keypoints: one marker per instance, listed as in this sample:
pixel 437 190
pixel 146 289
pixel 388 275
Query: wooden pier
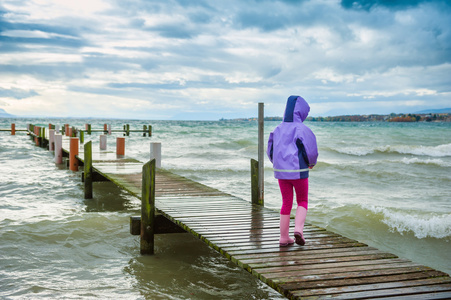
pixel 328 266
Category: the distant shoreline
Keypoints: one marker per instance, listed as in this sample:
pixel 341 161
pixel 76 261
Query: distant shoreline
pixel 431 117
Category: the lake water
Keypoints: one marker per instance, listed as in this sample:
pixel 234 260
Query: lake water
pixel 384 184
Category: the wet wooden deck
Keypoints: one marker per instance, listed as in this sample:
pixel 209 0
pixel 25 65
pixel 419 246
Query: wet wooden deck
pixel 328 266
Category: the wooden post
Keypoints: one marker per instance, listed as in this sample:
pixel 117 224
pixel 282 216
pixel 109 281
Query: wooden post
pixel 58 149
pixel 88 170
pixel 128 129
pixel 73 161
pixel 89 129
pixel 71 132
pixel 261 170
pixel 102 142
pixel 120 146
pixel 13 129
pixel 150 130
pixel 109 129
pixel 66 129
pixel 144 130
pixel 155 153
pixel 51 139
pixel 37 131
pixel 105 128
pixel 42 135
pixel 82 136
pixel 148 208
pixel 254 182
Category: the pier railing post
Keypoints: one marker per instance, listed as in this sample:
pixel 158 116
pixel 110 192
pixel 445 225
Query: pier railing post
pixel 148 208
pixel 261 169
pixel 88 170
pixel 58 149
pixel 51 139
pixel 103 142
pixel 120 146
pixel 73 161
pixel 155 153
pixel 255 193
pixel 144 130
pixel 13 129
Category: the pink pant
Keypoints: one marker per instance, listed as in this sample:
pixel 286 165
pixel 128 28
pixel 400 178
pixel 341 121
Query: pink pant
pixel 286 188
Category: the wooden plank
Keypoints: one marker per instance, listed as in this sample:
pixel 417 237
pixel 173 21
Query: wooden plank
pixel 429 296
pixel 342 291
pixel 347 278
pixel 423 291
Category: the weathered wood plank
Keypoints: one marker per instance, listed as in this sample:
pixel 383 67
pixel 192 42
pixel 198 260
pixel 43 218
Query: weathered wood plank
pixel 347 278
pixel 422 291
pixel 344 291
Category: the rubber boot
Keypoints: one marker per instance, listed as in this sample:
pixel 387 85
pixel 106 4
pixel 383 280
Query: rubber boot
pixel 285 239
pixel 301 214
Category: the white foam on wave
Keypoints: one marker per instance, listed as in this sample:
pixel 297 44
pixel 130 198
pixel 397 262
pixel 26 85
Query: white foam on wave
pixel 435 161
pixel 422 226
pixel 420 150
pixel 434 151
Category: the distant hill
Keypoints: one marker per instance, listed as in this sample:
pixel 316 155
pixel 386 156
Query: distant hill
pixel 4 114
pixel 435 111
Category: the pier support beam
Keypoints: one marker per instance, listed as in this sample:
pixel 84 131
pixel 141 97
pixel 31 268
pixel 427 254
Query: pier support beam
pixel 87 176
pixel 148 208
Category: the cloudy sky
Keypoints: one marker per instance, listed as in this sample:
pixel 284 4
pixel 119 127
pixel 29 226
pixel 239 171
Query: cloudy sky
pixel 199 59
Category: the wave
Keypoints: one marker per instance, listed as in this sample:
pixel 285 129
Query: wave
pixel 404 160
pixel 420 150
pixel 421 225
pixel 417 161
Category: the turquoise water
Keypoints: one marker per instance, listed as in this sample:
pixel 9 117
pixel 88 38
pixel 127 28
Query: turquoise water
pixel 385 184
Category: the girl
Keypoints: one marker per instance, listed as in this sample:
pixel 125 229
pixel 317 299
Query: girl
pixel 293 151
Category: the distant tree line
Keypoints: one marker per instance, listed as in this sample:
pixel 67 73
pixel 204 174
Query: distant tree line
pixel 442 117
pixel 385 118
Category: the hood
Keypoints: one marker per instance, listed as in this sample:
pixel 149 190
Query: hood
pixel 297 109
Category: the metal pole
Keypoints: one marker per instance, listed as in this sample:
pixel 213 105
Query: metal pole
pixel 261 152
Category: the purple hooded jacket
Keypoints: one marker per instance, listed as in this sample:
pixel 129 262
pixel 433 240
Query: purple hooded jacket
pixel 292 146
